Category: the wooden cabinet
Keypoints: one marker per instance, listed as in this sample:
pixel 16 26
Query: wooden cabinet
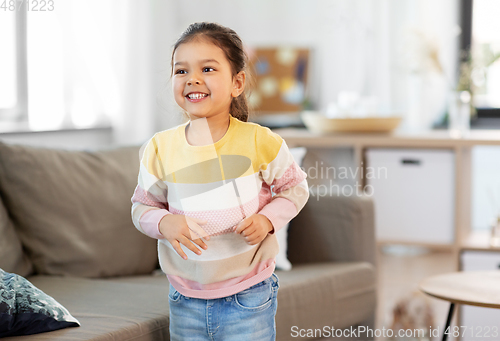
pixel 413 192
pixel 439 139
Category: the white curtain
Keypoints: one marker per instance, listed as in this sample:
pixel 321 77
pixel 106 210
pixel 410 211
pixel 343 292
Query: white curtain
pixel 91 63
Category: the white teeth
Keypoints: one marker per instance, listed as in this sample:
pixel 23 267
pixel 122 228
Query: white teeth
pixel 197 96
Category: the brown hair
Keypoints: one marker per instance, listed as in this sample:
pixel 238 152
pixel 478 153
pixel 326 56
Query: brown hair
pixel 229 41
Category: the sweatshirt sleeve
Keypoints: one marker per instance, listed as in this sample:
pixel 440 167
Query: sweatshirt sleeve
pixel 287 181
pixel 149 202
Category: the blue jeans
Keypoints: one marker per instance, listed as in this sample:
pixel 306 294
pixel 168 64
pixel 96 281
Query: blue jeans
pixel 246 315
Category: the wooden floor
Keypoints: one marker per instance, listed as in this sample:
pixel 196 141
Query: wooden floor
pixel 400 269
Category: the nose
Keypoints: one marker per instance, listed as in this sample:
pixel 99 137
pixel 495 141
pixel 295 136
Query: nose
pixel 194 80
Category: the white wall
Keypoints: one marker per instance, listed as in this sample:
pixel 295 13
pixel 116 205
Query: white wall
pixel 357 45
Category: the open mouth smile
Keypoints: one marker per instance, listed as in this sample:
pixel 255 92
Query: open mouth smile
pixel 194 97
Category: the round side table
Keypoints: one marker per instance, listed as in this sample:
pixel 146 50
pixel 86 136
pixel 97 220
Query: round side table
pixel 478 288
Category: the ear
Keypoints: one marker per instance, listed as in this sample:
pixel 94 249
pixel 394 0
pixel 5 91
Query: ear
pixel 238 84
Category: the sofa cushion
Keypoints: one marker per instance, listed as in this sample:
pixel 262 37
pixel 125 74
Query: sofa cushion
pixel 315 295
pixel 71 210
pixel 27 310
pixel 12 257
pixel 108 310
pixel 282 262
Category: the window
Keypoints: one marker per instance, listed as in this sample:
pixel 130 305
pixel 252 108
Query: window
pixel 45 70
pixel 57 65
pixel 486 43
pixel 8 66
pixel 480 26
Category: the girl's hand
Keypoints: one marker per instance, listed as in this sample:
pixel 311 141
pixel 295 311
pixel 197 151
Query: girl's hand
pixel 178 228
pixel 254 228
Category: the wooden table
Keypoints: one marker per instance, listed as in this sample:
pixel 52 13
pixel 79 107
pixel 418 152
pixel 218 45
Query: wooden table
pixel 477 288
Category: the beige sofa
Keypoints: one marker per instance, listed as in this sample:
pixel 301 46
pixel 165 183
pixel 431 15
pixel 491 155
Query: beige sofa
pixel 65 225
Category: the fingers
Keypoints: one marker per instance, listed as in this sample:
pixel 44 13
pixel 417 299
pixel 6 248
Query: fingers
pixel 251 233
pixel 187 243
pixel 200 243
pixel 194 227
pixel 197 220
pixel 254 237
pixel 244 224
pixel 177 248
pixel 249 230
pixel 185 231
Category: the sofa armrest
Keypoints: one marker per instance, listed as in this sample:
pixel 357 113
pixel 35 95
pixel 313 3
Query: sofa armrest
pixel 333 228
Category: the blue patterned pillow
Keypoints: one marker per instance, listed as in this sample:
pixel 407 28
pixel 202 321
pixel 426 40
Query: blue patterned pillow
pixel 26 310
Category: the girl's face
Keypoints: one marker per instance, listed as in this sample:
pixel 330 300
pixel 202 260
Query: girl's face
pixel 202 81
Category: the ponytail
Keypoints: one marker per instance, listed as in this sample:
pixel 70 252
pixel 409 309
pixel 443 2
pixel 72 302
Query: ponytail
pixel 239 107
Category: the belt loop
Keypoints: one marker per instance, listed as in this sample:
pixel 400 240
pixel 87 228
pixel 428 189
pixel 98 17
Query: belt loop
pixel 275 279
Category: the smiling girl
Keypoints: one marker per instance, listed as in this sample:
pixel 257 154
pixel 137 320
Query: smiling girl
pixel 205 185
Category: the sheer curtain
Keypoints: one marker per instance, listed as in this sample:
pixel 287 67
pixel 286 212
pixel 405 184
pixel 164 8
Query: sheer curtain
pixel 89 64
pixel 7 65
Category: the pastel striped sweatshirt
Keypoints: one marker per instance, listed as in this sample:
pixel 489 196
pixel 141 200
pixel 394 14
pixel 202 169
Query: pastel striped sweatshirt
pixel 248 171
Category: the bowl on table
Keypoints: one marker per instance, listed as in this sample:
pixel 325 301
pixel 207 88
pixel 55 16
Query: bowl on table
pixel 319 123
